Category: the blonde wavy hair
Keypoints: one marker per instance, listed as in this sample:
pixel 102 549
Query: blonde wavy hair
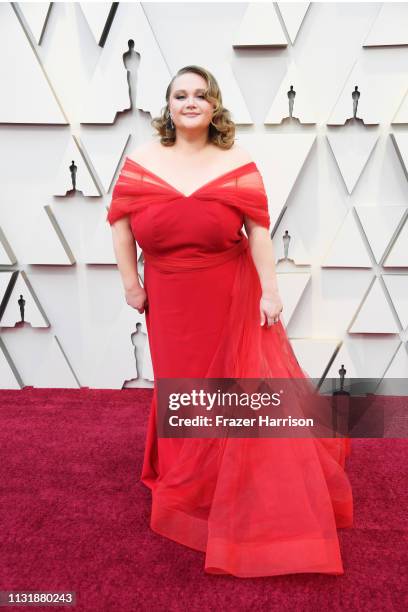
pixel 221 129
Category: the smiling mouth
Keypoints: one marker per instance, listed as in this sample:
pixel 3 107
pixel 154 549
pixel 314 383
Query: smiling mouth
pixel 191 114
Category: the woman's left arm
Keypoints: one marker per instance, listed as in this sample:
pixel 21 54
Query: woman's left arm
pixel 262 252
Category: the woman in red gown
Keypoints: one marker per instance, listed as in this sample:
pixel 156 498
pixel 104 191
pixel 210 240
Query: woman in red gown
pixel 255 506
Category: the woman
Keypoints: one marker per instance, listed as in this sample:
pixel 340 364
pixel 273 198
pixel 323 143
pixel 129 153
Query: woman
pixel 256 507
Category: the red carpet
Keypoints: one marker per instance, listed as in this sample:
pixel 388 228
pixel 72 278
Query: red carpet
pixel 75 518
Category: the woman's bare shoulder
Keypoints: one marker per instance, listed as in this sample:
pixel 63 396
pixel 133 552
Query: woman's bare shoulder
pixel 144 151
pixel 239 154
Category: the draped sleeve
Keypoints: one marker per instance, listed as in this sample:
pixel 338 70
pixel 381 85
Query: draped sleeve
pixel 244 189
pixel 252 197
pixel 241 188
pixel 134 190
pixel 127 192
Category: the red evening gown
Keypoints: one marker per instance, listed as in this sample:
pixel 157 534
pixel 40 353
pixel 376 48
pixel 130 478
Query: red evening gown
pixel 255 506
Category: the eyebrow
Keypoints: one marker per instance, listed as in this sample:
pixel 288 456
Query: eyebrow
pixel 184 91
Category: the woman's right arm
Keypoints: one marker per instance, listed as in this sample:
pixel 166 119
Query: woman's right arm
pixel 124 246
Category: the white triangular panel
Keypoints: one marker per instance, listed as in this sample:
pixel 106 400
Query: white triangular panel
pixel 304 107
pixel 379 224
pixel 401 116
pixel 33 311
pixel 390 27
pixel 84 179
pixel 397 285
pixel 101 256
pixel 380 90
pixel 364 357
pixel 96 14
pixel 297 251
pixel 20 72
pixel 55 370
pixel 339 297
pixel 280 158
pixel 375 315
pixel 105 149
pixel 398 255
pixel 9 377
pixel 44 242
pixel 7 256
pixel 399 365
pixel 352 149
pixel 108 91
pixel 347 249
pixel 395 381
pixel 259 27
pixel 401 146
pixel 114 363
pixel 5 280
pixel 313 354
pixel 4 257
pixel 291 288
pixel 99 248
pixel 36 15
pixel 293 14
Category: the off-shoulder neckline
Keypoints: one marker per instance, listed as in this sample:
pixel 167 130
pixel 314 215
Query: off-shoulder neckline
pixel 210 182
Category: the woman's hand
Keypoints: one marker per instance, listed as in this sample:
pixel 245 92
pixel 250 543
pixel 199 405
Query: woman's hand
pixel 270 306
pixel 137 298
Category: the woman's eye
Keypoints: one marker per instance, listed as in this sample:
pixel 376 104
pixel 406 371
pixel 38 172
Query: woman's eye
pixel 180 96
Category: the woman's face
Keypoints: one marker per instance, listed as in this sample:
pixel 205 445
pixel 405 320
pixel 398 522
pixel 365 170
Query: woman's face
pixel 188 107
